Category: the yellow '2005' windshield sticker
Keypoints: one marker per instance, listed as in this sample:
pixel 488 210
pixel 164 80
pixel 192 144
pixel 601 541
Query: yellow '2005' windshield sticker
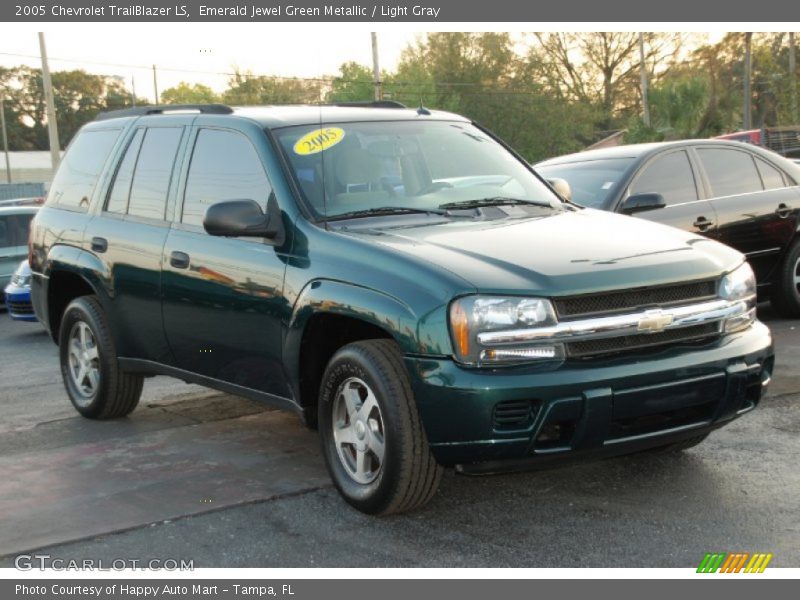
pixel 318 140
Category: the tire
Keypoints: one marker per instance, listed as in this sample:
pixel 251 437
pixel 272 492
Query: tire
pixel 365 405
pixel 679 446
pixel 96 386
pixel 786 287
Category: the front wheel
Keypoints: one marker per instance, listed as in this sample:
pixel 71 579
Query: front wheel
pixel 372 436
pixel 95 384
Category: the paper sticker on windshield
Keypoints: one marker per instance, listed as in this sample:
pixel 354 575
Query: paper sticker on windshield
pixel 318 140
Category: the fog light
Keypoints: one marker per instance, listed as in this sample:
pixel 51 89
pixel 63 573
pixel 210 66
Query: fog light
pixel 522 354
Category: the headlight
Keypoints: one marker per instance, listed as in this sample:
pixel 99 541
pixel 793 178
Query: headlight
pixel 740 285
pixel 472 315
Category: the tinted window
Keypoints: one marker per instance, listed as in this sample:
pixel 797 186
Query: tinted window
pixel 77 175
pixel 770 176
pixel 729 171
pixel 14 230
pixel 669 175
pixel 153 172
pixel 224 166
pixel 118 199
pixel 591 181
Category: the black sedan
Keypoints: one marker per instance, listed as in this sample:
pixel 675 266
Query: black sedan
pixel 738 194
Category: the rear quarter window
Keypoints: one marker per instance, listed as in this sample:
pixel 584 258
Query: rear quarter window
pixel 80 168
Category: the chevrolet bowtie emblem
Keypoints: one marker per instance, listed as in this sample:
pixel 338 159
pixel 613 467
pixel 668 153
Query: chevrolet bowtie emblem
pixel 654 321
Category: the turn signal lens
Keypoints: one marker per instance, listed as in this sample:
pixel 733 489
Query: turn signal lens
pixel 459 321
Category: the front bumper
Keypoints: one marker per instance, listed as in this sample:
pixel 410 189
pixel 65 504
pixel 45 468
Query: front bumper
pixel 588 408
pixel 18 303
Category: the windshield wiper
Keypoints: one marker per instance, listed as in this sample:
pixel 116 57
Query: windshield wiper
pixel 386 211
pixel 493 201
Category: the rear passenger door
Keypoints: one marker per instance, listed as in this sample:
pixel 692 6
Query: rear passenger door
pixel 129 232
pixel 757 211
pixel 672 175
pixel 223 297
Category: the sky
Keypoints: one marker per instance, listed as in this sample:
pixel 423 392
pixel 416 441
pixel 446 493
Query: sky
pixel 207 53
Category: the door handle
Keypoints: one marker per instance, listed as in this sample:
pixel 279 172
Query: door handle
pixel 702 223
pixel 99 244
pixel 783 211
pixel 179 260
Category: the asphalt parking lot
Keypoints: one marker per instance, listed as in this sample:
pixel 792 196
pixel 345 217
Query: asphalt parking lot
pixel 197 475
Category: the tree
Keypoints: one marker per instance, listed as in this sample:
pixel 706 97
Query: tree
pixel 244 88
pixel 600 68
pixel 187 93
pixel 79 97
pixel 354 83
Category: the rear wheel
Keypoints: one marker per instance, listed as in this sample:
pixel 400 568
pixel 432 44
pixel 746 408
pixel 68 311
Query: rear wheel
pixel 786 287
pixel 372 435
pixel 95 384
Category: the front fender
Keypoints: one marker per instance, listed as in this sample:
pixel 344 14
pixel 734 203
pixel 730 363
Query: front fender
pixel 424 334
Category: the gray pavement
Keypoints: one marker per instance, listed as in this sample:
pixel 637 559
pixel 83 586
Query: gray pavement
pixel 194 474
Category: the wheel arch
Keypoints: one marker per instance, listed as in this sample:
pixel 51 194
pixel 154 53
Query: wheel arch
pixel 70 273
pixel 330 314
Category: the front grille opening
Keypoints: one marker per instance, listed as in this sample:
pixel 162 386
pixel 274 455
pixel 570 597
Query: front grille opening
pixel 556 434
pixel 625 300
pixel 627 427
pixel 685 335
pixel 512 415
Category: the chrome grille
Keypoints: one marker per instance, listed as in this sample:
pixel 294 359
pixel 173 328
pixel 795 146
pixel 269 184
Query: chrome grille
pixel 625 300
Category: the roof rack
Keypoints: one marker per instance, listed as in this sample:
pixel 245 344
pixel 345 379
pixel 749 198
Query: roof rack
pixel 140 111
pixel 373 104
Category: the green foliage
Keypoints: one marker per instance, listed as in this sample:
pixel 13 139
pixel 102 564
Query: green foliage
pixel 247 89
pixel 353 84
pixel 79 97
pixel 187 93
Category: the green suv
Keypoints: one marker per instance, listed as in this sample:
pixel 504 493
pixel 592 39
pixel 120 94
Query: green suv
pixel 399 278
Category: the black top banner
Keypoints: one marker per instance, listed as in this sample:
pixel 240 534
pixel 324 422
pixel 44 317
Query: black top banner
pixel 437 11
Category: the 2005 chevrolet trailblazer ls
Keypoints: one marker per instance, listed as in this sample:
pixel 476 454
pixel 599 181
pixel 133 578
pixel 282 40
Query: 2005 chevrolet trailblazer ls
pixel 400 278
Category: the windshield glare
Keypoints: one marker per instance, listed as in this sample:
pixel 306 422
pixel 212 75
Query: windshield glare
pixel 349 167
pixel 592 181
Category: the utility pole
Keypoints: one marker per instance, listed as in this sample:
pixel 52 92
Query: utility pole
pixel 49 99
pixel 5 137
pixel 793 77
pixel 643 78
pixel 376 70
pixel 133 90
pixel 747 120
pixel 155 84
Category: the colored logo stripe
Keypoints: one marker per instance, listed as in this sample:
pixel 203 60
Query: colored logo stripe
pixel 734 562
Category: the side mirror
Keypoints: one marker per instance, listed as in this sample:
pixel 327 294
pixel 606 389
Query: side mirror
pixel 642 202
pixel 244 218
pixel 562 188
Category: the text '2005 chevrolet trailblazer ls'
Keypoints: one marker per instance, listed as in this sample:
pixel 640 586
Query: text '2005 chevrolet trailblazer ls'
pixel 400 278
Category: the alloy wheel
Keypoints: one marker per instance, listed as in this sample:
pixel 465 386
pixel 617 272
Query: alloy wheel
pixel 358 431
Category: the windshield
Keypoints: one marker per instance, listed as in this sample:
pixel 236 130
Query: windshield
pixel 346 168
pixel 592 181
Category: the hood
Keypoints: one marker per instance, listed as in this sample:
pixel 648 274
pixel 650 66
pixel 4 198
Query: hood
pixel 566 253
